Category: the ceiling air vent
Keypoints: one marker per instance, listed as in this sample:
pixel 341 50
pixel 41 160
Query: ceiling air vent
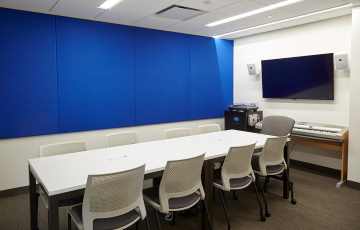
pixel 181 13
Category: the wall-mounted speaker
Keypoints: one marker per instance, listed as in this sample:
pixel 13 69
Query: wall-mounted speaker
pixel 341 62
pixel 251 69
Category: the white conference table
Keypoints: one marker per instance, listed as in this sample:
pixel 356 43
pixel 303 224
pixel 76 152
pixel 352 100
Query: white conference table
pixel 63 177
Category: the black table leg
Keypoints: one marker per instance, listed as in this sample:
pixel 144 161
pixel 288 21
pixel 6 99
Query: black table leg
pixel 33 202
pixel 208 178
pixel 53 213
pixel 286 175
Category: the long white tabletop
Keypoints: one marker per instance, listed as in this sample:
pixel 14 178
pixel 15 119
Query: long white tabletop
pixel 69 172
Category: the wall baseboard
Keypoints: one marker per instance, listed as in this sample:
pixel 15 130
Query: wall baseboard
pixel 14 191
pixel 321 170
pixel 353 184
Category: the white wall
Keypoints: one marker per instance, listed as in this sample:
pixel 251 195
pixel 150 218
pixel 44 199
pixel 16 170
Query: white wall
pixel 14 153
pixel 354 145
pixel 321 37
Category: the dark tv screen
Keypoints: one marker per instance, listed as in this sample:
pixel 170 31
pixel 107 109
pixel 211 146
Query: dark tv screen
pixel 307 77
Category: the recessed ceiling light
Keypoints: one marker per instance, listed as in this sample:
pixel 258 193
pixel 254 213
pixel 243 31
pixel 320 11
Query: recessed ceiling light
pixel 254 12
pixel 286 20
pixel 108 4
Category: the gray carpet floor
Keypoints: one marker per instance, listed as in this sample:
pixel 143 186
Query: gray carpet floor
pixel 320 206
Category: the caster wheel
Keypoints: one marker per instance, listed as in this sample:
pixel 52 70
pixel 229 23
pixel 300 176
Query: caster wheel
pixel 293 202
pixel 169 218
pixel 267 214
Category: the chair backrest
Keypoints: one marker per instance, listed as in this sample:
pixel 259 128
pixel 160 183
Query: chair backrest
pixel 237 164
pixel 273 152
pixel 177 132
pixel 123 138
pixel 181 178
pixel 112 195
pixel 62 148
pixel 209 128
pixel 277 125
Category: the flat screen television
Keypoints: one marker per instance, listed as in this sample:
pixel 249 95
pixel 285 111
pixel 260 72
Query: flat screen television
pixel 306 77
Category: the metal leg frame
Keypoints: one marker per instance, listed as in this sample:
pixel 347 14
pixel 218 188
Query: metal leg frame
pixel 267 213
pixel 223 203
pixel 69 222
pixel 267 181
pixel 290 185
pixel 235 197
pixel 208 178
pixel 147 222
pixel 262 217
pixel 34 197
pixel 157 219
pixel 286 175
pixel 205 216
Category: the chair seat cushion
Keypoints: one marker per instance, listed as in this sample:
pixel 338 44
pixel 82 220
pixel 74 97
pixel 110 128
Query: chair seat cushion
pixel 275 169
pixel 270 169
pixel 175 204
pixel 235 183
pixel 107 223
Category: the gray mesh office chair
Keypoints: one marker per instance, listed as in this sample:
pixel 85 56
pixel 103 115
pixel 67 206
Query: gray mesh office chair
pixel 58 149
pixel 271 163
pixel 177 132
pixel 209 128
pixel 180 188
pixel 237 174
pixel 123 138
pixel 111 201
pixel 276 126
pixel 62 148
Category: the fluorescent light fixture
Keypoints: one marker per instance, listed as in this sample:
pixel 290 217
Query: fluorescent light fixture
pixel 108 4
pixel 285 20
pixel 254 12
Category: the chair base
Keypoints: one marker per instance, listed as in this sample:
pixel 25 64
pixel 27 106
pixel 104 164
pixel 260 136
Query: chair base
pixel 205 216
pixel 290 184
pixel 263 189
pixel 224 205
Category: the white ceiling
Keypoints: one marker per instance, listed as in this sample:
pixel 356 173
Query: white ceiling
pixel 142 13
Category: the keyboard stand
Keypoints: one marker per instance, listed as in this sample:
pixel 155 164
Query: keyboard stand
pixel 340 146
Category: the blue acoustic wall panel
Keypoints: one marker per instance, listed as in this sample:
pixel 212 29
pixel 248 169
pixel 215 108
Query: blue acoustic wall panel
pixel 61 74
pixel 206 90
pixel 28 83
pixel 162 77
pixel 225 54
pixel 96 75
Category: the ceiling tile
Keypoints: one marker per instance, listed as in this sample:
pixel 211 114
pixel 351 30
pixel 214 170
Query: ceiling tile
pixel 198 23
pixel 78 8
pixel 206 5
pixel 156 22
pixel 142 12
pixel 263 3
pixel 302 21
pixel 302 8
pixel 278 14
pixel 241 6
pixel 29 5
pixel 132 11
